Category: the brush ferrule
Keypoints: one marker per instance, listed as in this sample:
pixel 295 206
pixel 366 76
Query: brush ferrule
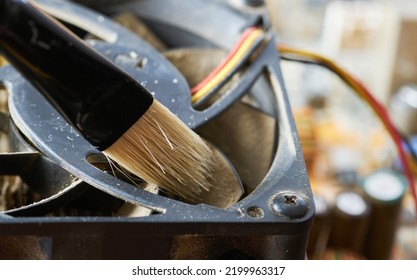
pixel 93 94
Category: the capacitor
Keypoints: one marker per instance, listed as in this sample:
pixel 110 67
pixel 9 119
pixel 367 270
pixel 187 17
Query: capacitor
pixel 350 221
pixel 384 189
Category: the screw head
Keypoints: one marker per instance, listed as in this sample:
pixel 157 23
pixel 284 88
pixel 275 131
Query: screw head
pixel 249 3
pixel 289 205
pixel 254 3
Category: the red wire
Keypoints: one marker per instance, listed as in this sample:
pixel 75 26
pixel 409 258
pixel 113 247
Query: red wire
pixel 225 60
pixel 382 112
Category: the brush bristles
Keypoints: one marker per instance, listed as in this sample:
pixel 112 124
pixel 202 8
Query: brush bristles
pixel 162 150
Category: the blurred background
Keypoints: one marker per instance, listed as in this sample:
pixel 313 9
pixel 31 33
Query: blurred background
pixel 364 209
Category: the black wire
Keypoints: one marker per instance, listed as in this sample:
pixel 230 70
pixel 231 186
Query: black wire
pixel 302 60
pixel 314 62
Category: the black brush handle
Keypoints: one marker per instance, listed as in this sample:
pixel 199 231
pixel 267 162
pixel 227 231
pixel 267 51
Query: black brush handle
pixel 92 93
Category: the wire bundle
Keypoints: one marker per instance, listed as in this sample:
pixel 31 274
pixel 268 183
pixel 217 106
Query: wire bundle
pixel 240 53
pixel 360 89
pixel 247 45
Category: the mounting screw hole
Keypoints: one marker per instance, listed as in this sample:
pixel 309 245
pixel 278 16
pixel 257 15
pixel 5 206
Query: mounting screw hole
pixel 256 212
pixel 141 63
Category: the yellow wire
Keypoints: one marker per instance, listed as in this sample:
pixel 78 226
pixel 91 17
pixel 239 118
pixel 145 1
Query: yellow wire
pixel 2 61
pixel 223 73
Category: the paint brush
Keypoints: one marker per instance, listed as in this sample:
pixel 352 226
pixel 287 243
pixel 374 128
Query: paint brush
pixel 107 106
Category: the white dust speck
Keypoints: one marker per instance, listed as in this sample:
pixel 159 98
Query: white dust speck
pixel 133 54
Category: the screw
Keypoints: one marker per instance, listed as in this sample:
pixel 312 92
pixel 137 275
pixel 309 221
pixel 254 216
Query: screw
pixel 254 3
pixel 290 199
pixel 250 3
pixel 289 205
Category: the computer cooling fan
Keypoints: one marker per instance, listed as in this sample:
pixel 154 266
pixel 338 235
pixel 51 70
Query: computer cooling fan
pixel 62 200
